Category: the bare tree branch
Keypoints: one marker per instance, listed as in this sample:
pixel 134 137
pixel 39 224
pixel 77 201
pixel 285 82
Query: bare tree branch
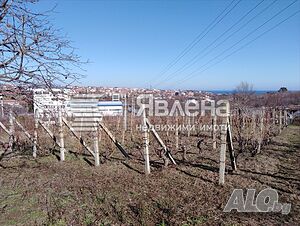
pixel 32 51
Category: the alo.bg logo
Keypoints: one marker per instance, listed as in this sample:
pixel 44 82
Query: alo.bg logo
pixel 266 201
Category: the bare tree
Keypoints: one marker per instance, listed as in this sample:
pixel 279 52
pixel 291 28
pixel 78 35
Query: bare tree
pixel 241 101
pixel 32 51
pixel 242 95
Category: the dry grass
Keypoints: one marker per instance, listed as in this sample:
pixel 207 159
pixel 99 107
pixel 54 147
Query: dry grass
pixel 47 192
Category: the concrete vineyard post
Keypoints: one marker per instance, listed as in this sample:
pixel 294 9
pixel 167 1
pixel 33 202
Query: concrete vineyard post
pixel 261 129
pixel 189 125
pixel 214 132
pixel 280 120
pixel 225 121
pixel 11 131
pixel 146 144
pixel 176 131
pixel 124 119
pixel 35 136
pixel 285 117
pixel 96 147
pixel 274 116
pixel 61 135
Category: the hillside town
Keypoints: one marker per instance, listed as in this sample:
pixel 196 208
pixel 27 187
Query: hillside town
pixel 150 113
pixel 110 101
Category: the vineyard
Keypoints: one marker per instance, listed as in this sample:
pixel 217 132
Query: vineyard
pixel 246 131
pixel 198 156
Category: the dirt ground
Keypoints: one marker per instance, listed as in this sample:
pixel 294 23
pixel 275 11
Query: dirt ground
pixel 47 192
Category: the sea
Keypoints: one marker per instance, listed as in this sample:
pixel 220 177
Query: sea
pixel 233 91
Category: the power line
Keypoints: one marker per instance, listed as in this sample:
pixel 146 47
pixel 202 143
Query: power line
pixel 248 43
pixel 197 57
pixel 191 75
pixel 194 59
pixel 200 36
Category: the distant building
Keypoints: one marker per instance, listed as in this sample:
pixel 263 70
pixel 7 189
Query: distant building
pixel 46 104
pixel 110 108
pixel 89 105
pixel 83 107
pixel 115 97
pixel 87 110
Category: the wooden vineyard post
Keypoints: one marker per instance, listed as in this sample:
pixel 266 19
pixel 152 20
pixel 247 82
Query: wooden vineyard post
pixel 229 139
pixel 167 152
pixel 223 150
pixel 114 140
pixel 72 130
pixel 96 147
pixel 35 136
pixel 61 135
pixel 230 146
pixel 146 144
pixel 214 135
pixel 261 130
pixel 11 131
